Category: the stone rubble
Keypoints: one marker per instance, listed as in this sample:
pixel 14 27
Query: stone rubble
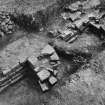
pixel 7 27
pixel 77 21
pixel 47 50
pixel 43 75
pixel 44 70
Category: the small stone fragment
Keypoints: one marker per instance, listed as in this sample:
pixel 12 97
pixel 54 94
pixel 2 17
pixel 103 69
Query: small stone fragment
pixel 43 75
pixel 6 25
pixel 7 20
pixel 44 61
pixel 52 80
pixel 22 59
pixel 6 70
pixel 51 34
pixel 55 72
pixel 1 34
pixel 10 23
pixel 32 60
pixel 48 50
pixel 52 63
pixel 10 27
pixel 49 69
pixel 3 17
pixel 75 16
pixel 43 86
pixel 3 23
pixel 73 39
pixel 54 57
pixel 15 64
pixel 9 32
pixel 37 69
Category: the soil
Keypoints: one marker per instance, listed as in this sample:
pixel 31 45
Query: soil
pixel 86 86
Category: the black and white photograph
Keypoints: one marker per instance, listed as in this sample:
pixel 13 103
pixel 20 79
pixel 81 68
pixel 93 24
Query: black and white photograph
pixel 52 52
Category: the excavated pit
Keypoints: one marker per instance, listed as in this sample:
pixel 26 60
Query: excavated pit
pixel 81 74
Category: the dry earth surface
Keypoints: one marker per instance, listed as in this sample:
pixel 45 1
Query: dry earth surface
pixel 85 87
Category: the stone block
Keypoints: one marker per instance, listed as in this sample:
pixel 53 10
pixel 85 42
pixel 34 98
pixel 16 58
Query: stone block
pixel 43 75
pixel 55 72
pixel 48 50
pixel 43 86
pixel 32 60
pixel 37 69
pixel 52 80
pixel 54 57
